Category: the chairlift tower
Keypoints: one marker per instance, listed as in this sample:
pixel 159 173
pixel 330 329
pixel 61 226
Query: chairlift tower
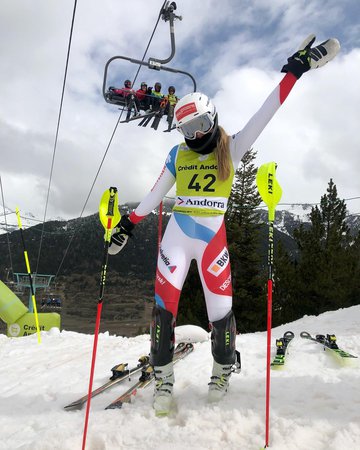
pixel 39 281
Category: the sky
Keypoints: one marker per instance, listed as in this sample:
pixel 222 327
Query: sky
pixel 235 50
pixel 314 401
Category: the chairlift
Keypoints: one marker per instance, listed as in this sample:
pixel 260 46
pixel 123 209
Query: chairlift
pixel 128 102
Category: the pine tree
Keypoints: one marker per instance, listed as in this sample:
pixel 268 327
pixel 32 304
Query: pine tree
pixel 323 270
pixel 286 308
pixel 242 223
pixel 354 288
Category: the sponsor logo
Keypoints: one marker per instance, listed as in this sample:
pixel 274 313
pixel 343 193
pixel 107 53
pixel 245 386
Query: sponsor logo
pixel 185 110
pixel 219 264
pixel 270 183
pixel 191 167
pixel 160 279
pixel 166 261
pixel 226 283
pixel 164 257
pixel 14 329
pixel 202 202
pixel 196 167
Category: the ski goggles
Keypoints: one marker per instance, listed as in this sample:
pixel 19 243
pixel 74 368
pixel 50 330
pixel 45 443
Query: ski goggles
pixel 201 124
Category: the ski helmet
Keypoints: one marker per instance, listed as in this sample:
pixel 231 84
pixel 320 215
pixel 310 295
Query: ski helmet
pixel 143 84
pixel 127 83
pixel 171 88
pixel 157 84
pixel 195 113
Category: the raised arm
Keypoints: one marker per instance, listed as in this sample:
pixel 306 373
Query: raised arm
pixel 300 62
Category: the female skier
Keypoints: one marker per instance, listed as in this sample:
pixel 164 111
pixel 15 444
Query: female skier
pixel 203 169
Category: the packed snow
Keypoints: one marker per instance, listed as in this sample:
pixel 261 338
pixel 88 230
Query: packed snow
pixel 315 400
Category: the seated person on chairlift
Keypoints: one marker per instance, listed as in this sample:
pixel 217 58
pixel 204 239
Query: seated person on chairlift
pixel 130 98
pixel 144 96
pixel 171 100
pixel 157 96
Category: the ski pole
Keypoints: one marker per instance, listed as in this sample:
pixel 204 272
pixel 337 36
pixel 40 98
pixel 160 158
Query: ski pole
pixel 270 192
pixel 27 263
pixel 109 217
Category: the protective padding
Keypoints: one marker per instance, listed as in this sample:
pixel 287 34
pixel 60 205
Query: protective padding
pixel 162 336
pixel 223 337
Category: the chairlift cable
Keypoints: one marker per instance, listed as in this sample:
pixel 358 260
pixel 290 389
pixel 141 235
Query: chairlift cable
pixel 57 132
pixel 107 148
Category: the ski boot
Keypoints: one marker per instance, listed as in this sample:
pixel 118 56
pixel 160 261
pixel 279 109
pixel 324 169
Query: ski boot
pixel 164 383
pixel 161 356
pixel 219 383
pixel 223 338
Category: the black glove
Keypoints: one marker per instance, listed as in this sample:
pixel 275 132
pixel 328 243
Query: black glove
pixel 120 235
pixel 299 62
pixel 311 58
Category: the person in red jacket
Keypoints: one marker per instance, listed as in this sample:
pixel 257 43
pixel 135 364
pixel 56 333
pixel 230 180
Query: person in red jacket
pixel 144 96
pixel 129 95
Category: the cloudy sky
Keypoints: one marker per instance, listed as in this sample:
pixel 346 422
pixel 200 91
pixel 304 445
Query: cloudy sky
pixel 235 50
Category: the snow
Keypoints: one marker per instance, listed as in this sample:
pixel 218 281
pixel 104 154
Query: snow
pixel 315 401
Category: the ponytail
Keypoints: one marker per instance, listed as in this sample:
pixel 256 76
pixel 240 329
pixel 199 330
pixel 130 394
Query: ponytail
pixel 222 155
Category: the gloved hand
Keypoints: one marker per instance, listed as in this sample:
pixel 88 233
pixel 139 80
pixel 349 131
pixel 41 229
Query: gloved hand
pixel 120 235
pixel 311 58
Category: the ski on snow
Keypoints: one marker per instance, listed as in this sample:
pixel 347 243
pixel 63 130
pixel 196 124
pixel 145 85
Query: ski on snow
pixel 282 346
pixel 120 373
pixel 328 341
pixel 147 376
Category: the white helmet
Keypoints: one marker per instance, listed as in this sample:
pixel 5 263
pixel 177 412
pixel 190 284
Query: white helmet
pixel 194 112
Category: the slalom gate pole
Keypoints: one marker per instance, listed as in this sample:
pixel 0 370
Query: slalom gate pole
pixel 27 263
pixel 270 192
pixel 109 217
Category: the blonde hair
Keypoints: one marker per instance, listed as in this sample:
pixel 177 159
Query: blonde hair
pixel 222 155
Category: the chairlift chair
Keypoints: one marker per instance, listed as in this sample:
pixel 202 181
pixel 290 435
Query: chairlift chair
pixel 167 14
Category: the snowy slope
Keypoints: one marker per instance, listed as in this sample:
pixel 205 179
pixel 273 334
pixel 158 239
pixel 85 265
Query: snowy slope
pixel 315 401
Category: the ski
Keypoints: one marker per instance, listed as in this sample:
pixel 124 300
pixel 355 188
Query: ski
pixel 141 117
pixel 328 341
pixel 146 119
pixel 147 376
pixel 120 373
pixel 158 116
pixel 282 346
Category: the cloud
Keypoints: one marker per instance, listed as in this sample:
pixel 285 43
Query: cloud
pixel 235 51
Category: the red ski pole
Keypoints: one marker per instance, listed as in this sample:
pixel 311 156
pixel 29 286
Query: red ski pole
pixel 270 192
pixel 109 217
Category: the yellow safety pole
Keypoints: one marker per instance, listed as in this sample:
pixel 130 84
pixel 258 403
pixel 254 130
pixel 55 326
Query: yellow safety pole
pixel 30 277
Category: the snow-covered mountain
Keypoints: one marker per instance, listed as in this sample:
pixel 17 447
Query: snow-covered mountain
pixel 8 220
pixel 315 401
pixel 287 218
